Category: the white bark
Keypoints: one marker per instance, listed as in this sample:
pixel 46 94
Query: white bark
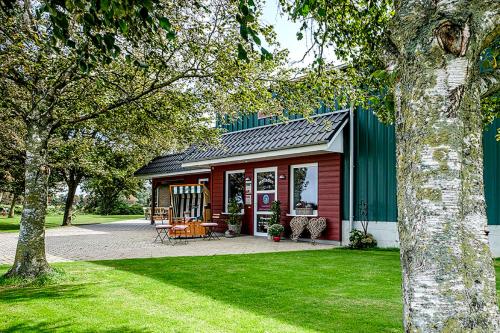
pixel 448 274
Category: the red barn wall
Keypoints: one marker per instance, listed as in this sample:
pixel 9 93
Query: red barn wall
pixel 329 190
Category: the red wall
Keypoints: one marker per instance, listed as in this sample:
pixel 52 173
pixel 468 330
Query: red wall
pixel 329 191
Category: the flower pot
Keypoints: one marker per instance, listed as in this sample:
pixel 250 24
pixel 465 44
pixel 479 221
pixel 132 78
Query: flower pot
pixel 304 211
pixel 234 229
pixel 276 238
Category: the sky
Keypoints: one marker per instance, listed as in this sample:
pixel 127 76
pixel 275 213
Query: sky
pixel 286 31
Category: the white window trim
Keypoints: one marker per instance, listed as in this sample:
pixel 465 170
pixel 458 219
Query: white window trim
pixel 226 183
pixel 256 213
pixel 292 208
pixel 157 196
pixel 202 180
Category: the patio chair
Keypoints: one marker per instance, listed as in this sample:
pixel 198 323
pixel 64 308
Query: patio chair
pixel 209 230
pixel 180 228
pixel 162 231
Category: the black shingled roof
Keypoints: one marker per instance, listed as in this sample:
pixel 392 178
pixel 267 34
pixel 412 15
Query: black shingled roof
pixel 316 130
pixel 292 134
pixel 165 165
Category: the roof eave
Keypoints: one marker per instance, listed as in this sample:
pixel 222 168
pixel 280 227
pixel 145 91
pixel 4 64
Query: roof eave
pixel 169 174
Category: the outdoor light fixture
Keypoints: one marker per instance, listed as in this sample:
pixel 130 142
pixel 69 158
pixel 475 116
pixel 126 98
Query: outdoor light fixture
pixel 282 177
pixel 248 179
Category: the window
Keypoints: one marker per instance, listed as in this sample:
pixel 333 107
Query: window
pixel 304 187
pixel 203 181
pixel 235 187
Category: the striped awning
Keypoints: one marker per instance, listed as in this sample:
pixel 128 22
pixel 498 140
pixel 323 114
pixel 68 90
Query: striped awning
pixel 188 189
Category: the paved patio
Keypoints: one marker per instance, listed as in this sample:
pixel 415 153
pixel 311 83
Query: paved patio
pixel 134 239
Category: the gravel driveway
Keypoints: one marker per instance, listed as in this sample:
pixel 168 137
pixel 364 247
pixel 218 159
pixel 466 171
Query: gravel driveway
pixel 134 239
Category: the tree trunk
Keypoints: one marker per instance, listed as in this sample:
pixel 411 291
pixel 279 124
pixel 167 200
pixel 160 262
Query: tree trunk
pixel 448 273
pixel 30 260
pixel 72 181
pixel 12 206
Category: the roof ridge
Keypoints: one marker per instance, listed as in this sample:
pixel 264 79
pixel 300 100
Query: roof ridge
pixel 287 122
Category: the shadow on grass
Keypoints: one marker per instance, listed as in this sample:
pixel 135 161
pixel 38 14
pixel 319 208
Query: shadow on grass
pixel 45 327
pixel 8 226
pixel 21 294
pixel 323 291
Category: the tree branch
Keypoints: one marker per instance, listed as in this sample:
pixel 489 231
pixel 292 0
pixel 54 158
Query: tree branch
pixel 123 101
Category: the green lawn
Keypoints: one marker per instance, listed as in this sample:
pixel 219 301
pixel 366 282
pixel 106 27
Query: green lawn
pixel 315 291
pixel 12 225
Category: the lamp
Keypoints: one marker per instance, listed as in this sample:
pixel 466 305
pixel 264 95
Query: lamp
pixel 282 176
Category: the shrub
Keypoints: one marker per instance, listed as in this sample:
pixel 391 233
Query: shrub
pixel 276 213
pixel 360 240
pixel 120 208
pixel 234 210
pixel 275 229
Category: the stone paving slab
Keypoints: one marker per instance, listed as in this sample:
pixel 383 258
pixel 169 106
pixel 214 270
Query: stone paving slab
pixel 134 239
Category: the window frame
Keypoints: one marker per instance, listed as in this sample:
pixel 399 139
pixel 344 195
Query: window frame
pixel 291 187
pixel 226 188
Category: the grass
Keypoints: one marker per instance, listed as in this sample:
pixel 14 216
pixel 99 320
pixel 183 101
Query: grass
pixel 312 291
pixel 55 220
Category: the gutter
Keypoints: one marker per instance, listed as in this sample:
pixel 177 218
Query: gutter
pixel 351 168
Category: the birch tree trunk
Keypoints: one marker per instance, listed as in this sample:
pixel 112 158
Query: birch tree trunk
pixel 448 273
pixel 30 260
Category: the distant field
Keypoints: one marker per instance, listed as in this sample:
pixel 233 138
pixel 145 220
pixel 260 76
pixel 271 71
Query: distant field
pixel 51 221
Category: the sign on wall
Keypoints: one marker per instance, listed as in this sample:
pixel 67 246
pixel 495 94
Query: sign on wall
pixel 248 186
pixel 248 199
pixel 264 201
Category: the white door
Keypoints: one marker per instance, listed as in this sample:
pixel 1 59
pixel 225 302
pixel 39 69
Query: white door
pixel 265 185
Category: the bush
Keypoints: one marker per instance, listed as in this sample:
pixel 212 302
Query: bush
pixel 275 229
pixel 234 210
pixel 276 212
pixel 55 210
pixel 361 240
pixel 120 208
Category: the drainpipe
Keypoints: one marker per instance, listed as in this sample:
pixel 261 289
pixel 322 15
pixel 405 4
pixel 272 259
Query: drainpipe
pixel 351 168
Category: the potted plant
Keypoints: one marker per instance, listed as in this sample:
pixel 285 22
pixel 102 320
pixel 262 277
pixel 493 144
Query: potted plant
pixel 302 208
pixel 275 231
pixel 234 220
pixel 275 216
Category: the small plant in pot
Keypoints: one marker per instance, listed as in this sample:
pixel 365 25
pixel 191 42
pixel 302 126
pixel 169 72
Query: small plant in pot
pixel 234 220
pixel 275 216
pixel 303 208
pixel 275 231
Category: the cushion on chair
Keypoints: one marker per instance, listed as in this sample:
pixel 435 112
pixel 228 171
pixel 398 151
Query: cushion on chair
pixel 164 226
pixel 209 224
pixel 180 227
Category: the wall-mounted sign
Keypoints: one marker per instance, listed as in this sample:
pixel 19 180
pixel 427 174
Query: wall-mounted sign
pixel 248 199
pixel 248 186
pixel 264 201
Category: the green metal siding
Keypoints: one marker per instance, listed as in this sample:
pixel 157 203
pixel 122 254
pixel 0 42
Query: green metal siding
pixel 374 168
pixel 491 149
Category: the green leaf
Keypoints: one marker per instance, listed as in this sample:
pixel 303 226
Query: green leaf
pixel 242 53
pixel 124 26
pixel 300 35
pixel 265 54
pixel 165 23
pixel 104 5
pixel 244 32
pixel 171 35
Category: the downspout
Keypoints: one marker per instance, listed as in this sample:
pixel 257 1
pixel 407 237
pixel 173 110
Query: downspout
pixel 351 168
